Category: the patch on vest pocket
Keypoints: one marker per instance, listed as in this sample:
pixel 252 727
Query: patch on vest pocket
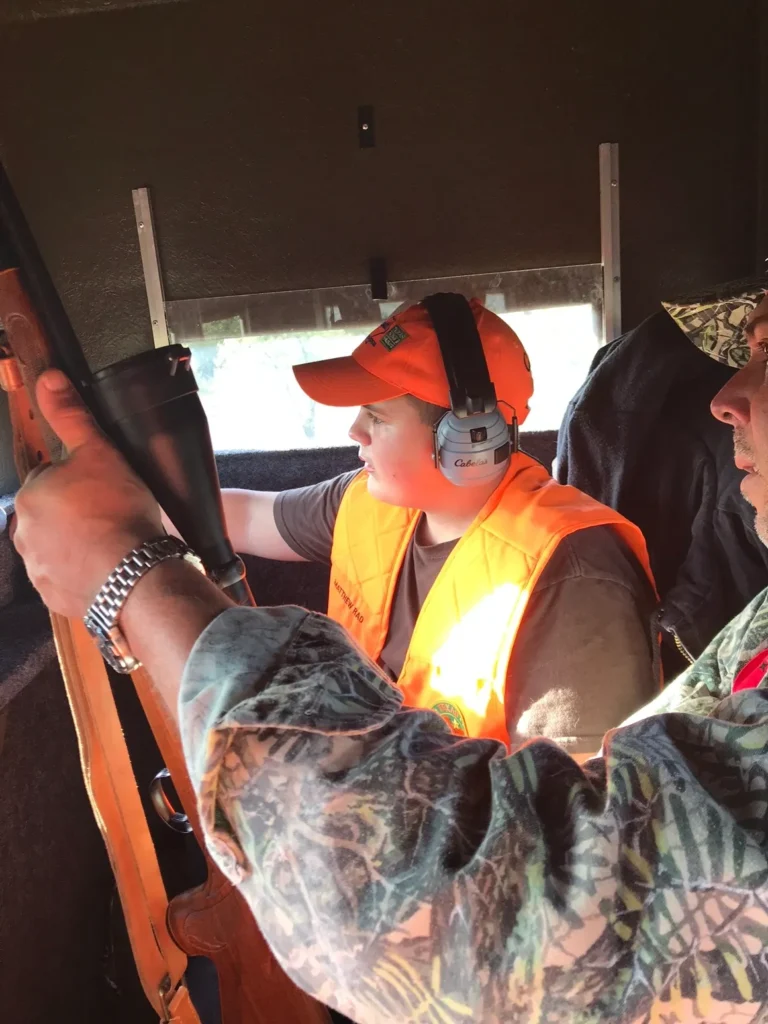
pixel 451 714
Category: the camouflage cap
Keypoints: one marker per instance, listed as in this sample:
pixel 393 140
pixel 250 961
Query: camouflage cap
pixel 715 321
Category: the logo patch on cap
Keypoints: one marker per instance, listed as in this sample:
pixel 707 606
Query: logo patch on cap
pixel 393 337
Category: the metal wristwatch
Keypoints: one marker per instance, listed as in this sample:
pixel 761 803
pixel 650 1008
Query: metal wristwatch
pixel 102 617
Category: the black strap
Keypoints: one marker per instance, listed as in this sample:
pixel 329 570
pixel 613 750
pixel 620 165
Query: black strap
pixel 469 382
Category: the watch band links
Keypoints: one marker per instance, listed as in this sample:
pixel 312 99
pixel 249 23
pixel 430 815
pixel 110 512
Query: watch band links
pixel 102 617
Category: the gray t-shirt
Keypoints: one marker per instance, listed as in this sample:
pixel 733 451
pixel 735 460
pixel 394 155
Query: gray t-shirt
pixel 590 618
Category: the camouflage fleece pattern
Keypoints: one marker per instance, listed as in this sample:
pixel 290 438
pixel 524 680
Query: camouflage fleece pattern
pixel 403 874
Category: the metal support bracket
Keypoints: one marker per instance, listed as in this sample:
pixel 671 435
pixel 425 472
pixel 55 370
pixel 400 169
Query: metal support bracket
pixel 377 266
pixel 610 240
pixel 150 261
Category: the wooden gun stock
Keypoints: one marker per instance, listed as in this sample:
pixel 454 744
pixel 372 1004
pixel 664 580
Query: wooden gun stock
pixel 106 766
pixel 212 920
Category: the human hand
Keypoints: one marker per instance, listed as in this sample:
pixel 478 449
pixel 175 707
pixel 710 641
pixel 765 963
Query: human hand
pixel 76 521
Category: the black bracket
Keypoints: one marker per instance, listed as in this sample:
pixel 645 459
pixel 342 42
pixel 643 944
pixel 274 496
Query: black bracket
pixel 378 275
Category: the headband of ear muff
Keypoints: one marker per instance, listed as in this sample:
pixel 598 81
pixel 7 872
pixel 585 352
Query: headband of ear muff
pixel 472 440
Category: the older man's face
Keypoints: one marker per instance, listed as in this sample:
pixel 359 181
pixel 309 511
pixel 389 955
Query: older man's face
pixel 743 405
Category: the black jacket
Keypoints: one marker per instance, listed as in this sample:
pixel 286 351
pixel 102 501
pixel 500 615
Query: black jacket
pixel 639 436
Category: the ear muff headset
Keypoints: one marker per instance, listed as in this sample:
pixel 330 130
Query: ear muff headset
pixel 473 442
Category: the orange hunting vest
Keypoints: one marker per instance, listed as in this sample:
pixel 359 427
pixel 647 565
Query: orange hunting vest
pixel 457 659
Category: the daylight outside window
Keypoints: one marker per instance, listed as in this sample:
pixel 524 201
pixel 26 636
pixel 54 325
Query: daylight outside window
pixel 244 347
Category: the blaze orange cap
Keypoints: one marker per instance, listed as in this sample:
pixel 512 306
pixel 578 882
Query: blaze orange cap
pixel 402 357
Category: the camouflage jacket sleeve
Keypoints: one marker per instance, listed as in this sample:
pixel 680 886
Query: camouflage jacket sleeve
pixel 403 874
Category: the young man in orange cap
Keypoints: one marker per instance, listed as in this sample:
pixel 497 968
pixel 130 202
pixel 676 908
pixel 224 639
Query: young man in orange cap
pixel 503 603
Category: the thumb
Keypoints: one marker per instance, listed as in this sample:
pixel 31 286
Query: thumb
pixel 64 411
